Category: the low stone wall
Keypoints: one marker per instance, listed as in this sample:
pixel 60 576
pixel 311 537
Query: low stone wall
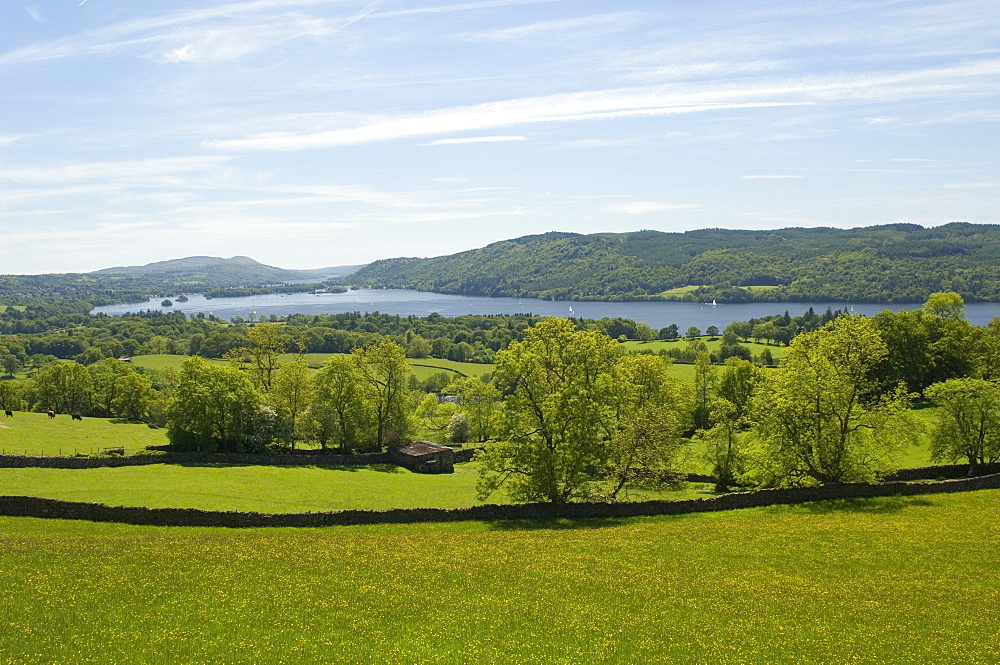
pixel 940 472
pixel 23 461
pixel 464 454
pixel 21 506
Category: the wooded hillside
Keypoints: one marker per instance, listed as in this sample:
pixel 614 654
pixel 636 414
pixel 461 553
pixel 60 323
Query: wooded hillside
pixel 891 263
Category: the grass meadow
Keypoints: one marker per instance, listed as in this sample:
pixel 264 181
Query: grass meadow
pixel 713 344
pixel 893 580
pixel 30 433
pixel 269 489
pixel 421 367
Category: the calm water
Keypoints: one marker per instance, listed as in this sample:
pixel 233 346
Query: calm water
pixel 418 303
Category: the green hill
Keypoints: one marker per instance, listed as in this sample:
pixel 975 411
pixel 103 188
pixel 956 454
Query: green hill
pixel 891 263
pixel 205 274
pixel 211 270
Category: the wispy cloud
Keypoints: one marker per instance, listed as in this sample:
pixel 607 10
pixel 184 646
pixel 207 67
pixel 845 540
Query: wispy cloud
pixel 646 207
pixel 546 29
pixel 641 101
pixel 770 177
pixel 476 139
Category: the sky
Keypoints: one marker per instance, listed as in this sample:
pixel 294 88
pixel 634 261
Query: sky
pixel 309 133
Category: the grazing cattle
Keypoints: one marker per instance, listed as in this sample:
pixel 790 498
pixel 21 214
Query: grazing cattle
pixel 52 414
pixel 77 416
pixel 8 413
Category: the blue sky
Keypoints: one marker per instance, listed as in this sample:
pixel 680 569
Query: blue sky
pixel 315 133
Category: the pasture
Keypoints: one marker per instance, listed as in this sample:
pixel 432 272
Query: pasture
pixel 713 344
pixel 268 489
pixel 29 433
pixel 421 367
pixel 901 580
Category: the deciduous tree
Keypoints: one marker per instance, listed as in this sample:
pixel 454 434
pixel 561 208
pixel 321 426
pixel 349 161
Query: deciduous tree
pixel 562 386
pixel 969 424
pixel 818 417
pixel 213 407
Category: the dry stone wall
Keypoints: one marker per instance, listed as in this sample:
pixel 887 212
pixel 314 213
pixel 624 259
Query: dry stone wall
pixel 23 461
pixel 22 506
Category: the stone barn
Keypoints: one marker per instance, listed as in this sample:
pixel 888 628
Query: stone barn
pixel 424 457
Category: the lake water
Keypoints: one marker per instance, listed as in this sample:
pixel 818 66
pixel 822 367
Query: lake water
pixel 419 303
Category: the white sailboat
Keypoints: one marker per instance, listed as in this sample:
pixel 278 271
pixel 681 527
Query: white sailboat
pixel 570 309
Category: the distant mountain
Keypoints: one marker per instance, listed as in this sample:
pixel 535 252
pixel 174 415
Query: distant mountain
pixel 891 263
pixel 211 270
pixel 239 275
pixel 338 271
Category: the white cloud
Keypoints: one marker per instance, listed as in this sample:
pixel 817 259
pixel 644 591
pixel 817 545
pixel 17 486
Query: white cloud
pixel 475 139
pixel 546 29
pixel 647 101
pixel 646 207
pixel 150 171
pixel 770 177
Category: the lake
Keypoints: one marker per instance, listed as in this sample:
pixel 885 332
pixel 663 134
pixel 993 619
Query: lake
pixel 419 303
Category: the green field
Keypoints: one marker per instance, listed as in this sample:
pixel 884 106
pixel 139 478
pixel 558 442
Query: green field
pixel 894 580
pixel 268 489
pixel 30 433
pixel 422 367
pixel 656 346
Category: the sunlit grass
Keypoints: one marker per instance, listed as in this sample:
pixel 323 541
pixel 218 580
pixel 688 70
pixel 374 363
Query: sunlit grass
pixel 421 367
pixel 37 434
pixel 713 344
pixel 894 580
pixel 248 488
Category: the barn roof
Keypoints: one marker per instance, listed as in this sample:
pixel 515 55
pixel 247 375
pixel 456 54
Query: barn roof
pixel 418 448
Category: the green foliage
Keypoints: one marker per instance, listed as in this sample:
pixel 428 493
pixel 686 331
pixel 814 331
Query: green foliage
pixel 338 413
pixel 482 405
pixel 969 424
pixel 292 392
pixel 816 418
pixel 561 384
pixel 215 408
pixel 651 413
pixel 11 396
pixel 63 388
pixel 893 263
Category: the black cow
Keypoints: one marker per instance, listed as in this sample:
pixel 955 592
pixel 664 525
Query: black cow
pixel 77 416
pixel 8 413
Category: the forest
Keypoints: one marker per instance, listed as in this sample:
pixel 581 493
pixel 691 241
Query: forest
pixel 901 263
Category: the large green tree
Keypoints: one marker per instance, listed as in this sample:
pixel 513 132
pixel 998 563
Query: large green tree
pixel 105 374
pixel 64 388
pixel 385 378
pixel 214 408
pixel 338 414
pixel 291 393
pixel 134 397
pixel 644 436
pixel 968 425
pixel 818 418
pixel 11 396
pixel 262 356
pixel 561 384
